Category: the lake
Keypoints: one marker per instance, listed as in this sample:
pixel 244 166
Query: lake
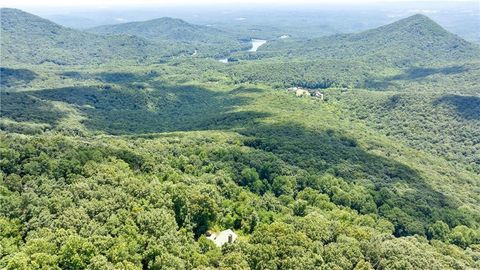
pixel 256 43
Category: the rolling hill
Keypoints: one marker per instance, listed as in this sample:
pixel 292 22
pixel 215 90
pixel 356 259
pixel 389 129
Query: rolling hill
pixel 166 29
pixel 412 53
pixel 204 38
pixel 27 38
pixel 413 40
pixel 130 165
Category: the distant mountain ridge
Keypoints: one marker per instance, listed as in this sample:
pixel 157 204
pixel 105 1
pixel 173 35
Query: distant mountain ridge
pixel 415 39
pixel 163 28
pixel 177 30
pixel 27 38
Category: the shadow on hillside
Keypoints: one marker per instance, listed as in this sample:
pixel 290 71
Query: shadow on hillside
pixel 411 74
pixel 10 77
pixel 421 72
pixel 111 77
pixel 24 107
pixel 393 102
pixel 124 77
pixel 467 107
pixel 395 184
pixel 135 111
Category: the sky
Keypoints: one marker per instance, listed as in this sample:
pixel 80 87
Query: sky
pixel 116 3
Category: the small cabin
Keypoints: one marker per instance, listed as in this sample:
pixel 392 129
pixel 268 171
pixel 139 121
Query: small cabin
pixel 222 238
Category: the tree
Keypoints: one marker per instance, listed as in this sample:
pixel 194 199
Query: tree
pixel 438 230
pixel 76 253
pixel 463 236
pixel 283 185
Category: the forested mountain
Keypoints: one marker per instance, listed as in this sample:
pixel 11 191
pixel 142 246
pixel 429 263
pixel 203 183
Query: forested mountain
pixel 27 38
pixel 207 41
pixel 413 40
pixel 413 53
pixel 167 29
pixel 111 158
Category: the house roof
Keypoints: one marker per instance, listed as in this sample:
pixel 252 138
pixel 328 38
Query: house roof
pixel 221 238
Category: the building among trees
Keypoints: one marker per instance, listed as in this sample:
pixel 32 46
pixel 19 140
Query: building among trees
pixel 223 237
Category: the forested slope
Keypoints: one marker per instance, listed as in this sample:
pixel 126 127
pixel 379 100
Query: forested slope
pixel 29 39
pixel 122 166
pixel 445 125
pixel 413 40
pixel 206 40
pixel 411 54
pixel 298 181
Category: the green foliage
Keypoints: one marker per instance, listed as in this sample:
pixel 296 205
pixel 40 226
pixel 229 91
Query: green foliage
pixel 438 230
pixel 207 41
pixel 128 166
pixel 413 40
pixel 30 39
pixel 75 253
pixel 108 212
pixel 442 124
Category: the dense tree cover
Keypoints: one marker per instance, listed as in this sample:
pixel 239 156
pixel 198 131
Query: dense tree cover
pixel 303 73
pixel 27 38
pixel 127 166
pixel 12 77
pixel 413 53
pixel 207 41
pixel 445 78
pixel 460 78
pixel 413 40
pixel 124 108
pixel 164 28
pixel 121 111
pixel 105 203
pixel 442 124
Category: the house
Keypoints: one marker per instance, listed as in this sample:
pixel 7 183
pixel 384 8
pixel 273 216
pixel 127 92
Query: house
pixel 223 237
pixel 318 94
pixel 302 93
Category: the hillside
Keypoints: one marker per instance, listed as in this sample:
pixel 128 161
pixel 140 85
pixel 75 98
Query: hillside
pixel 411 54
pixel 165 29
pixel 27 38
pixel 131 164
pixel 413 40
pixel 199 156
pixel 170 29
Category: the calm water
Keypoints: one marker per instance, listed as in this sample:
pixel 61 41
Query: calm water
pixel 256 43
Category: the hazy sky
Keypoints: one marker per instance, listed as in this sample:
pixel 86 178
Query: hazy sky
pixel 112 3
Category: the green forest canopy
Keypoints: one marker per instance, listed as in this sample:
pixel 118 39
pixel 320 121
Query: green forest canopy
pixel 127 166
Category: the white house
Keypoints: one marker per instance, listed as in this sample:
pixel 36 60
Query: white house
pixel 223 237
pixel 302 93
